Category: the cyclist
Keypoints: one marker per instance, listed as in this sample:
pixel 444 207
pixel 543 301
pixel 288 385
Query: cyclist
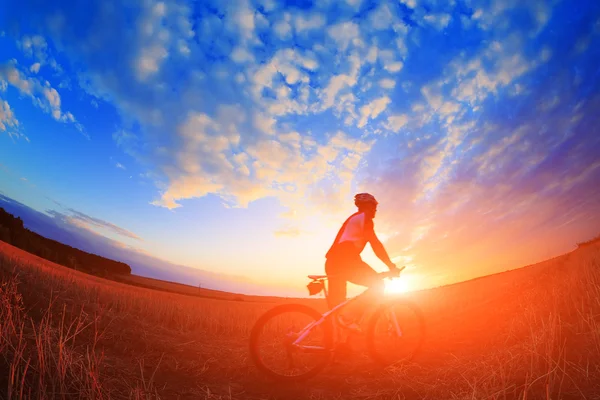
pixel 344 263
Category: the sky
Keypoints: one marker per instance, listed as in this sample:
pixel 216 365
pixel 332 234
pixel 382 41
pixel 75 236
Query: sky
pixel 230 137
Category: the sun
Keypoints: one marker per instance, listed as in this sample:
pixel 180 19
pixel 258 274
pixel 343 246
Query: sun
pixel 400 285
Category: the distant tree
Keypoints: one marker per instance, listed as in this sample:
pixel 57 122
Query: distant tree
pixel 13 231
pixel 4 234
pixel 72 262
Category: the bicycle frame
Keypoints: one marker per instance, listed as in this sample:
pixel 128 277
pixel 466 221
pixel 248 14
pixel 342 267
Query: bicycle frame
pixel 328 314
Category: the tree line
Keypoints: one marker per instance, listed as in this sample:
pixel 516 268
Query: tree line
pixel 13 231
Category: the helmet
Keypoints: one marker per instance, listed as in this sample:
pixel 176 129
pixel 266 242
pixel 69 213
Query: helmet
pixel 363 199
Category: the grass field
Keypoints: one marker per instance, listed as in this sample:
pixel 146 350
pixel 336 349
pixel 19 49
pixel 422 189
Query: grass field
pixel 532 333
pixel 173 287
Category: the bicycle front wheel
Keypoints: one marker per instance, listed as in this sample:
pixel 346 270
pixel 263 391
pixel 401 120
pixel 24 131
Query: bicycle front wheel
pixel 395 332
pixel 291 342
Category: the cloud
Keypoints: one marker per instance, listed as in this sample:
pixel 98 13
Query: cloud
pixel 439 21
pixel 382 17
pixel 396 122
pixel 344 33
pixel 85 221
pixel 477 180
pixel 8 122
pixel 241 55
pixel 245 100
pixel 387 83
pixel 42 94
pixel 409 3
pixel 35 68
pixel 338 82
pixel 276 83
pixel 58 225
pixel 283 27
pixel 372 110
pixel 354 3
pixel 309 22
pixel 212 161
pixel 289 231
pixel 34 47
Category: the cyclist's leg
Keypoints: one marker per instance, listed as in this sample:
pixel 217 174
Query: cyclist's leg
pixel 362 274
pixel 337 283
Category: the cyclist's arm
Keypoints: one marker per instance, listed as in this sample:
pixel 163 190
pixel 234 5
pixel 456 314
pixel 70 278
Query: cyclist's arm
pixel 377 246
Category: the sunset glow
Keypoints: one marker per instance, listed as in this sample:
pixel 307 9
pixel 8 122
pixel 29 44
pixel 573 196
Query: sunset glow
pixel 219 143
pixel 395 286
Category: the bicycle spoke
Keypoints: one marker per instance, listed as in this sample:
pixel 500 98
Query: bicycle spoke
pixel 395 333
pixel 290 344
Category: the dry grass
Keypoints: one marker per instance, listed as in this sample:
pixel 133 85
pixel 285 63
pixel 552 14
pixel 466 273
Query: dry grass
pixel 527 334
pixel 173 287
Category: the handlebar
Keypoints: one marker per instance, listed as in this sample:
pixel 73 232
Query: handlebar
pixel 393 273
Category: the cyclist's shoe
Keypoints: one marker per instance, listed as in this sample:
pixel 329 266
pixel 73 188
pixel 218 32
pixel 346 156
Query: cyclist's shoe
pixel 349 324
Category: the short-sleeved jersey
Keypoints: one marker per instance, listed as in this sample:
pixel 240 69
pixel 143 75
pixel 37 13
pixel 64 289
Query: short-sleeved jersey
pixel 357 229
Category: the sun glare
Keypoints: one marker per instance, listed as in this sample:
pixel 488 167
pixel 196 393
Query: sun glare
pixel 400 285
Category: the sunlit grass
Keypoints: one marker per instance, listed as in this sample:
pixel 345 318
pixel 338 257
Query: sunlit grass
pixel 531 333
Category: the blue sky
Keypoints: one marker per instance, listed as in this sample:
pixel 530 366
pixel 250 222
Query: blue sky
pixel 231 136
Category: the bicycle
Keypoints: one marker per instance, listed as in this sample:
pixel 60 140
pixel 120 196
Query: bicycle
pixel 321 327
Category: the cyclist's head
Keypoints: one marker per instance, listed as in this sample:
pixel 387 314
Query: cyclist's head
pixel 366 202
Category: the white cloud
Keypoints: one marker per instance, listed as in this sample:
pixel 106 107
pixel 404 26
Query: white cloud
pixel 290 64
pixel 439 21
pixel 149 61
pixel 241 55
pixel 344 33
pixel 183 48
pixel 394 66
pixel 42 94
pixel 34 47
pixel 35 68
pixel 372 54
pixel 354 3
pixel 468 82
pixel 268 5
pixel 241 18
pixel 372 110
pixel 283 27
pixel 210 163
pixel 388 59
pixel 541 12
pixel 264 123
pixel 7 117
pixel 381 18
pixel 304 23
pixel 432 95
pixel 387 83
pixel 508 64
pixel 396 122
pixel 153 40
pixel 338 82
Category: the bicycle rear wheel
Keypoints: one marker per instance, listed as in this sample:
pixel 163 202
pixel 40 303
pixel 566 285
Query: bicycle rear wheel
pixel 395 332
pixel 272 347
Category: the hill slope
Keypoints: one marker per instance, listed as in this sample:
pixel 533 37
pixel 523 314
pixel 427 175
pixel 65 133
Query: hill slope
pixel 531 331
pixel 13 231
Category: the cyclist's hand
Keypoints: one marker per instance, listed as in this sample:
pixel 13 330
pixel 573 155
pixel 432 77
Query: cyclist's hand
pixel 394 270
